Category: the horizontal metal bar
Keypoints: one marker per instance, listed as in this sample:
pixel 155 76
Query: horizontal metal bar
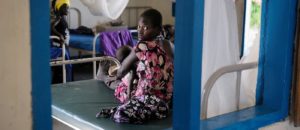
pixel 85 60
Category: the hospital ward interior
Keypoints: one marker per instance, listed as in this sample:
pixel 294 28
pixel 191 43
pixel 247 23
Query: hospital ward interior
pixel 150 64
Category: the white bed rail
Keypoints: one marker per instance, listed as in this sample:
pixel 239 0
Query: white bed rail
pixel 84 60
pixel 216 75
pixel 63 58
pixel 79 15
pixel 94 54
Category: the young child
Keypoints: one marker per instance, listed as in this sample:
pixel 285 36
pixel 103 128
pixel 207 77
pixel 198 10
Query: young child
pixel 107 70
pixel 151 98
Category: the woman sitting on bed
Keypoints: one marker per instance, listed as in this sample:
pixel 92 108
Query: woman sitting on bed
pixel 153 57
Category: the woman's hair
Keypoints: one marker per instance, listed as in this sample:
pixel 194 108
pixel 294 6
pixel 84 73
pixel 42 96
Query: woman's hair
pixel 154 16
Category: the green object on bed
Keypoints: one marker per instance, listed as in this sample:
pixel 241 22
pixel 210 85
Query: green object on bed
pixel 77 103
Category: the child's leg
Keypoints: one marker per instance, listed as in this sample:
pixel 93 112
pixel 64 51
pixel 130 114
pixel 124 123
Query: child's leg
pixel 132 82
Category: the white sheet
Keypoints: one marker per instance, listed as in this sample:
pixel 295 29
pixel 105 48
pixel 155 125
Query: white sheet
pixel 249 77
pixel 109 8
pixel 220 48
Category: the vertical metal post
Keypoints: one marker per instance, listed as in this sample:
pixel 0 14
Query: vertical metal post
pixel 64 66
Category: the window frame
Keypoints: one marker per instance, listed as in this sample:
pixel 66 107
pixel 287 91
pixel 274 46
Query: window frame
pixel 40 69
pixel 275 67
pixel 274 76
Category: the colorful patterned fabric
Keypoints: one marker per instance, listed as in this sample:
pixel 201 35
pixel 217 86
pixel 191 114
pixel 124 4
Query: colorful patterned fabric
pixel 137 111
pixel 152 95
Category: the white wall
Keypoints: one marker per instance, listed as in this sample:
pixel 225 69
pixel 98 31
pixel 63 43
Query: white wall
pixel 164 6
pixel 15 72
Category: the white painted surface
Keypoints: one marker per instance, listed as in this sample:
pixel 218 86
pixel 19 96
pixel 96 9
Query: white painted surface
pixel 15 72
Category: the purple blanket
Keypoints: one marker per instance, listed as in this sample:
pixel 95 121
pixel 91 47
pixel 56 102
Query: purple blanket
pixel 111 41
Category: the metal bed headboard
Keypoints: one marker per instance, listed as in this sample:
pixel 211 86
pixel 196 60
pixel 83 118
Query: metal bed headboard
pixel 78 14
pixel 216 75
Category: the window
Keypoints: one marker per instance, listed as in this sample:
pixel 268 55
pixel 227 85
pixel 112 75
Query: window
pixel 275 67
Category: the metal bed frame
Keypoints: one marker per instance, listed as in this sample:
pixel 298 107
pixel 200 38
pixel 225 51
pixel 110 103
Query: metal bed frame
pixel 129 11
pixel 61 59
pixel 78 14
pixel 216 75
pixel 63 62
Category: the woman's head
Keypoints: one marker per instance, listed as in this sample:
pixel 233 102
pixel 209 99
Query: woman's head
pixel 149 25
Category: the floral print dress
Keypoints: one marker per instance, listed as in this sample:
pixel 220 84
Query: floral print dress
pixel 152 94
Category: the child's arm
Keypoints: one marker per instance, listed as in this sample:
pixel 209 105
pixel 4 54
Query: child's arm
pixel 132 79
pixel 127 64
pixel 130 85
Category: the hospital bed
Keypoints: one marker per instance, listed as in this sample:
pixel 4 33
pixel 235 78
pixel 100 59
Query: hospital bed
pixel 90 44
pixel 76 103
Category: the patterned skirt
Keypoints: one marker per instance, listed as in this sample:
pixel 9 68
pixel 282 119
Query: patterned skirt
pixel 137 110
